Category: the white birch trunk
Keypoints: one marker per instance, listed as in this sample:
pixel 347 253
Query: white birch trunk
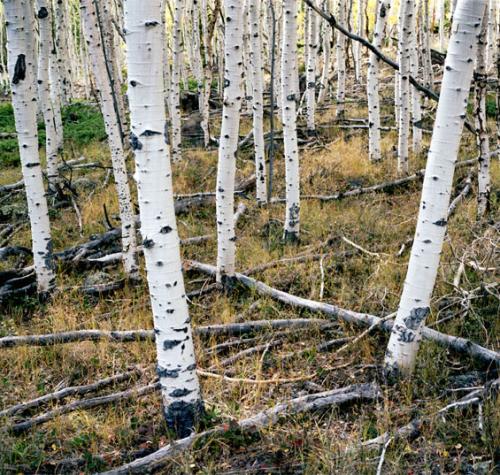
pixel 340 49
pixel 229 136
pixel 481 82
pixel 431 225
pixel 289 88
pixel 404 53
pixel 110 115
pixel 257 75
pixel 207 80
pixel 174 341
pixel 312 57
pixel 373 94
pixel 327 56
pixel 358 48
pixel 175 104
pixel 20 19
pixel 48 107
pixel 416 97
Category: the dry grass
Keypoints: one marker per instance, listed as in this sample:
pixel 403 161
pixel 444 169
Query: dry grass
pixel 312 444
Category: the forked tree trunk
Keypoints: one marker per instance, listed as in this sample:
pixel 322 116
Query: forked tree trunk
pixel 111 123
pixel 312 56
pixel 174 341
pixel 431 225
pixel 44 15
pixel 257 74
pixel 229 136
pixel 175 85
pixel 20 19
pixel 289 88
pixel 373 94
pixel 483 141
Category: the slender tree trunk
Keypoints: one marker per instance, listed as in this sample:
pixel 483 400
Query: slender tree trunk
pixel 289 85
pixel 174 341
pixel 229 136
pixel 404 47
pixel 416 97
pixel 48 107
pixel 111 122
pixel 175 87
pixel 373 94
pixel 481 80
pixel 20 19
pixel 431 224
pixel 257 75
pixel 327 56
pixel 358 48
pixel 341 63
pixel 312 57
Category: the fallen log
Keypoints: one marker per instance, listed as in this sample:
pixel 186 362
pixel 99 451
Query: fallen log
pixel 70 391
pixel 457 344
pixel 381 187
pixel 266 418
pixel 230 329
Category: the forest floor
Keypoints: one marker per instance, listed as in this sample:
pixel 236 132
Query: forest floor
pixel 86 441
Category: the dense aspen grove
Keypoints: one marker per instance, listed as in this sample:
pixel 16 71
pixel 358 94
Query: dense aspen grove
pixel 249 236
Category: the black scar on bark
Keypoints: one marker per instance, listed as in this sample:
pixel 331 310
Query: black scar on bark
pixel 167 373
pixel 181 416
pixel 134 142
pixel 152 23
pixel 42 13
pixel 180 392
pixel 169 344
pixel 392 373
pixel 148 243
pixel 416 317
pixel 19 69
pixel 441 222
pixel 165 230
pixel 150 133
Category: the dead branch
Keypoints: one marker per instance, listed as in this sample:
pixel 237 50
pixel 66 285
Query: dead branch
pixel 71 391
pixel 303 404
pixel 457 344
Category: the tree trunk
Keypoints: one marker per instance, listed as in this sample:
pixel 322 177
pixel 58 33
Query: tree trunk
pixel 174 342
pixel 431 225
pixel 375 154
pixel 175 104
pixel 257 74
pixel 483 142
pixel 44 15
pixel 327 56
pixel 111 122
pixel 229 136
pixel 289 88
pixel 20 19
pixel 341 67
pixel 312 55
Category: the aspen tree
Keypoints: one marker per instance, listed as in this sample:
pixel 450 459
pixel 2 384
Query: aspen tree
pixel 229 136
pixel 312 57
pixel 257 75
pixel 373 94
pixel 404 54
pixel 327 56
pixel 111 123
pixel 414 306
pixel 415 94
pixel 174 341
pixel 341 63
pixel 44 16
pixel 20 19
pixel 289 88
pixel 358 48
pixel 481 81
pixel 175 104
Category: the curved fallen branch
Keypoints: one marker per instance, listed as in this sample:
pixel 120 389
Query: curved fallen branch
pixel 458 344
pixel 311 402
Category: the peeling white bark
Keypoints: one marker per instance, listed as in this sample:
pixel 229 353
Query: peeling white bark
pixel 20 19
pixel 110 115
pixel 431 225
pixel 289 88
pixel 229 137
pixel 174 342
